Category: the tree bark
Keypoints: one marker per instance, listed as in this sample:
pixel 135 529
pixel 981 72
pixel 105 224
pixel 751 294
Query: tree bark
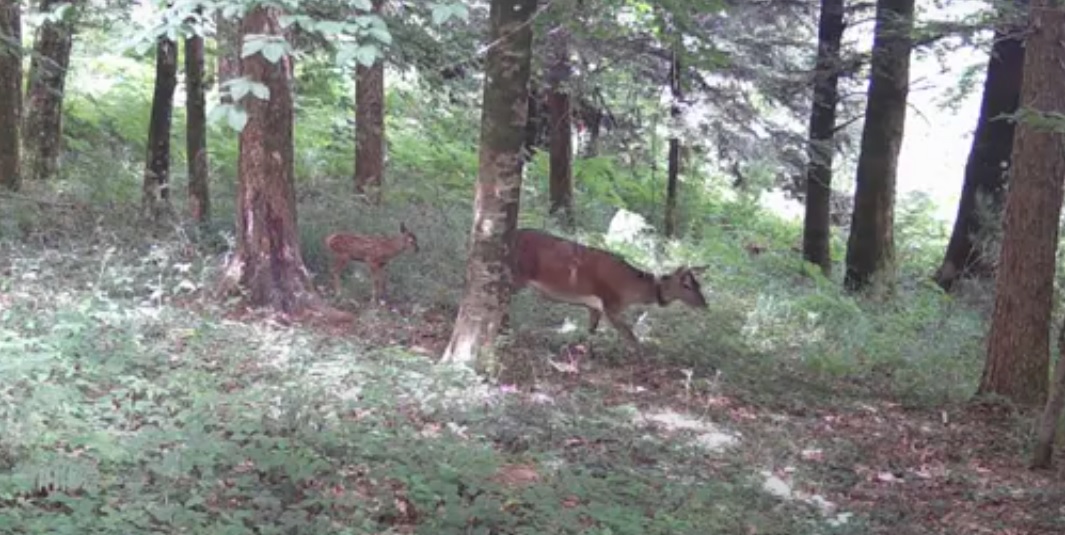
pixel 1018 356
pixel 10 94
pixel 503 121
pixel 816 230
pixel 560 190
pixel 871 245
pixel 532 123
pixel 673 172
pixel 155 189
pixel 43 126
pixel 984 188
pixel 370 126
pixel 1048 422
pixel 196 130
pixel 268 265
pixel 228 41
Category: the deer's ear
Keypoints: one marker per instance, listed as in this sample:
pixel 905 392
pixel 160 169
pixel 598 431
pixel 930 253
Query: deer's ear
pixel 403 228
pixel 698 270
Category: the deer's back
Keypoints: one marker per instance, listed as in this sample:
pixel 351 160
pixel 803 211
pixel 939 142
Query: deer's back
pixel 358 247
pixel 570 272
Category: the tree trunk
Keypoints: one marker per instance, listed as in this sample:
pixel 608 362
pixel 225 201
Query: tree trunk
pixel 196 129
pixel 488 272
pixel 10 94
pixel 984 188
pixel 370 126
pixel 155 199
pixel 532 123
pixel 1018 356
pixel 43 126
pixel 1048 422
pixel 871 245
pixel 268 265
pixel 228 41
pixel 673 171
pixel 561 180
pixel 592 117
pixel 816 230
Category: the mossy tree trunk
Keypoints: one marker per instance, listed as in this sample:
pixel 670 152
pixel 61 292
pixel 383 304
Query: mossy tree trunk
pixel 871 245
pixel 820 152
pixel 1047 428
pixel 268 266
pixel 10 94
pixel 1018 344
pixel 370 126
pixel 155 194
pixel 196 129
pixel 560 190
pixel 673 170
pixel 498 190
pixel 43 124
pixel 984 188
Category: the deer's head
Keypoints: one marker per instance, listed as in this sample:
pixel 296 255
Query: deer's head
pixel 682 285
pixel 409 239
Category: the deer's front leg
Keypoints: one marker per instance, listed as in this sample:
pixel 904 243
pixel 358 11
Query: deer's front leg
pixel 377 273
pixel 336 269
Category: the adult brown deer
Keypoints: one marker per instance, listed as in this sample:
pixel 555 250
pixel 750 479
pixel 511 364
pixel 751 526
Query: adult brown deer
pixel 374 251
pixel 601 281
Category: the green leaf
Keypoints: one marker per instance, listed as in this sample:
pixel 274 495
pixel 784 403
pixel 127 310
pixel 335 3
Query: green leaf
pixel 441 13
pixel 218 112
pixel 444 12
pixel 253 44
pixel 237 118
pixel 365 5
pixel 381 34
pixel 330 27
pixel 273 51
pixel 238 87
pixel 366 54
pixel 260 91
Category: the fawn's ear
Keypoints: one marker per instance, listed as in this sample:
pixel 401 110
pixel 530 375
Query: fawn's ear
pixel 403 228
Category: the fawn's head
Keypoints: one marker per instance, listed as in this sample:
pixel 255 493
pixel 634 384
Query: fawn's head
pixel 409 239
pixel 682 285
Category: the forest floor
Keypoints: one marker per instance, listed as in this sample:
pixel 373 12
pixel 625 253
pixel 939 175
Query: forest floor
pixel 873 463
pixel 131 401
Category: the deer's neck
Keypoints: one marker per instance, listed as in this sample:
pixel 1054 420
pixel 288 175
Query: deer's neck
pixel 648 291
pixel 659 298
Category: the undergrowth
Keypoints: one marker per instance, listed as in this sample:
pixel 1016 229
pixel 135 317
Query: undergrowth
pixel 132 402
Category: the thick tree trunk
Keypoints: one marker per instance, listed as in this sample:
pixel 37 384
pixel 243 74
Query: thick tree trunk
pixel 488 272
pixel 561 176
pixel 196 130
pixel 817 229
pixel 673 172
pixel 268 265
pixel 228 41
pixel 155 198
pixel 1048 422
pixel 10 94
pixel 871 245
pixel 370 126
pixel 593 119
pixel 984 189
pixel 43 126
pixel 1018 356
pixel 532 123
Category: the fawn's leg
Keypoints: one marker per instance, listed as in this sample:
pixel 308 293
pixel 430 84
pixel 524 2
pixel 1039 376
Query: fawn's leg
pixel 377 273
pixel 336 267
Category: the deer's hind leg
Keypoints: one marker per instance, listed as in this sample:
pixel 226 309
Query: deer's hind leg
pixel 377 274
pixel 336 267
